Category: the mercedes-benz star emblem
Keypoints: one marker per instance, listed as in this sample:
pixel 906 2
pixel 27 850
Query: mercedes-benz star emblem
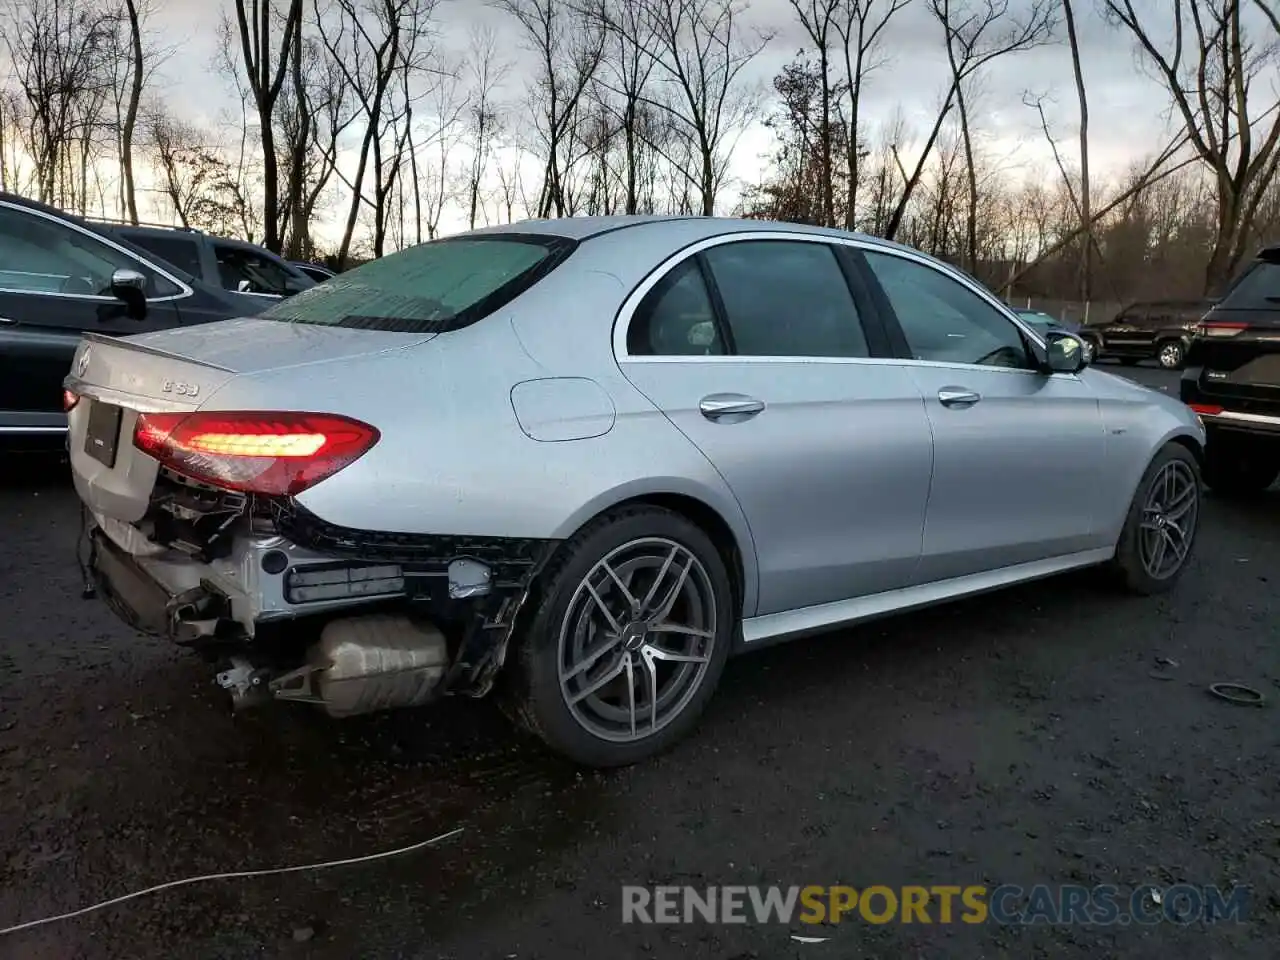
pixel 82 365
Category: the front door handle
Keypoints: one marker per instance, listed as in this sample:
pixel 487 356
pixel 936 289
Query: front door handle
pixel 7 320
pixel 718 406
pixel 958 397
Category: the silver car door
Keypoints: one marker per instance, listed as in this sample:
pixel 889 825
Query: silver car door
pixel 1018 454
pixel 754 349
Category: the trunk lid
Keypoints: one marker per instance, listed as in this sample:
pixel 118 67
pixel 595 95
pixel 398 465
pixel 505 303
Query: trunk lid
pixel 179 370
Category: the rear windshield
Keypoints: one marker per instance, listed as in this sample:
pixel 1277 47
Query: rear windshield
pixel 1257 289
pixel 431 288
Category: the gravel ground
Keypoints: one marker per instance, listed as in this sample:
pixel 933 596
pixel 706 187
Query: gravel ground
pixel 1016 738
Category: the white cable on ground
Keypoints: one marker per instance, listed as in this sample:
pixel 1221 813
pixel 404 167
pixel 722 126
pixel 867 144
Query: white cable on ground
pixel 230 876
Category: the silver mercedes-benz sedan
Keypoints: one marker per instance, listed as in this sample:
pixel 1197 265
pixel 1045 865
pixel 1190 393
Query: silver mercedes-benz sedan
pixel 581 462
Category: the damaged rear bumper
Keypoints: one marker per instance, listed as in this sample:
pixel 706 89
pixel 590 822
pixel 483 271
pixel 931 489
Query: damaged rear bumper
pixel 310 609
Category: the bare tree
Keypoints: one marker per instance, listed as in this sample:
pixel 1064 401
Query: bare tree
pixel 60 53
pixel 484 113
pixel 1208 66
pixel 378 46
pixel 568 45
pixel 978 32
pixel 265 67
pixel 1086 217
pixel 860 25
pixel 699 49
pixel 818 18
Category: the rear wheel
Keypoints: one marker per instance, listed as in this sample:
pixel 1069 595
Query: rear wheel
pixel 1159 532
pixel 1239 468
pixel 1171 353
pixel 628 641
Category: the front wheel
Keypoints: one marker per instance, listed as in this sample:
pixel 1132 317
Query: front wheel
pixel 1159 532
pixel 1171 354
pixel 628 639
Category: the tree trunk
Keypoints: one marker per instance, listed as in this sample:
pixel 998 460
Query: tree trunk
pixel 131 114
pixel 1086 220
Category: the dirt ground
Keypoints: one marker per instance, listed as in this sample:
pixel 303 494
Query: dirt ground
pixel 1015 738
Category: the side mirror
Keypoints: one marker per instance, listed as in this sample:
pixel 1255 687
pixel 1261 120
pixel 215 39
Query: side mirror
pixel 244 286
pixel 1065 352
pixel 131 287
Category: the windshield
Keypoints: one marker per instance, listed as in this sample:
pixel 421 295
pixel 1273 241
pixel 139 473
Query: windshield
pixel 431 288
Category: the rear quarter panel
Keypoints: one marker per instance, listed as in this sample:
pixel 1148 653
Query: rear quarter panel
pixel 453 458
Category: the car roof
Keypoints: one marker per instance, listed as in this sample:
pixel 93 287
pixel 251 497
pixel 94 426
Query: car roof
pixel 584 228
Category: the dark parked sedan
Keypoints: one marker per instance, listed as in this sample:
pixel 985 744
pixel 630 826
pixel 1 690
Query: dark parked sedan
pixel 61 276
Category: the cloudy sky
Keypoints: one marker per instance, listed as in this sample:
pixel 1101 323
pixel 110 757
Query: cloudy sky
pixel 1129 117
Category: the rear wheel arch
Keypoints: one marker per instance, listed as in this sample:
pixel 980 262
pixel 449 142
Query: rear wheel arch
pixel 738 556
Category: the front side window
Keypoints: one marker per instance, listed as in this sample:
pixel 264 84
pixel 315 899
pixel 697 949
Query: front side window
pixel 786 298
pixel 433 287
pixel 943 320
pixel 39 255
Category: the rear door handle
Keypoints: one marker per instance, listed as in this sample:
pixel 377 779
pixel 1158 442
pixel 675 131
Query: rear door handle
pixel 958 397
pixel 719 405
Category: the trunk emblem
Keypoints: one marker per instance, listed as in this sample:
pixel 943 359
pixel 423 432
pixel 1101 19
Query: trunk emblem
pixel 180 388
pixel 82 365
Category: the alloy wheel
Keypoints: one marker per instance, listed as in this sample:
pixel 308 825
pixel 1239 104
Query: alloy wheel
pixel 1171 356
pixel 637 639
pixel 1169 519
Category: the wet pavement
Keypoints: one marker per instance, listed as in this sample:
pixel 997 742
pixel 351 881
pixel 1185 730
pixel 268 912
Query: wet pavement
pixel 1016 738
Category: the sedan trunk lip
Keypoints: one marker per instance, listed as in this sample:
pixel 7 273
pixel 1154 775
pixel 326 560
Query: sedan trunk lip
pixel 134 345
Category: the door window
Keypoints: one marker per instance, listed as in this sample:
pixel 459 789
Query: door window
pixel 943 320
pixel 786 298
pixel 676 318
pixel 249 272
pixel 40 255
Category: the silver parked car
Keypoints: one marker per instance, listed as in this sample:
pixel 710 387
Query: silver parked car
pixel 580 462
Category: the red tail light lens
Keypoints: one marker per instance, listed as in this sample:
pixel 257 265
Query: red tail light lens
pixel 1206 409
pixel 1220 329
pixel 275 454
pixel 69 399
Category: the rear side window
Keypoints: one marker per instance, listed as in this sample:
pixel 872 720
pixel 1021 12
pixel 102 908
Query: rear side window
pixel 786 298
pixel 1257 289
pixel 183 254
pixel 433 287
pixel 677 318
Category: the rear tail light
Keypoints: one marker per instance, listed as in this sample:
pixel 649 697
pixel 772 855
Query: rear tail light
pixel 1219 329
pixel 69 399
pixel 1205 409
pixel 270 453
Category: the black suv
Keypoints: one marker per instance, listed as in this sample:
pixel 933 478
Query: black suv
pixel 60 276
pixel 1232 380
pixel 233 265
pixel 1148 330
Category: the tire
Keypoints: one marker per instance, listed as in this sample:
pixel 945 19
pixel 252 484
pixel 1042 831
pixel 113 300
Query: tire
pixel 566 624
pixel 1143 529
pixel 1235 469
pixel 1170 354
